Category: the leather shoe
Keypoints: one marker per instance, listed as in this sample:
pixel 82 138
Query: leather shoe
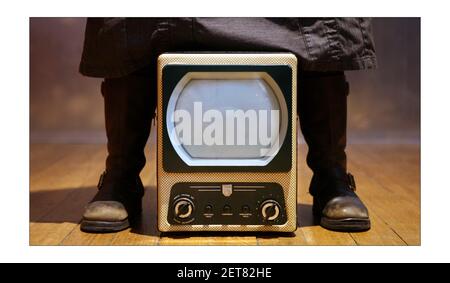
pixel 118 201
pixel 336 204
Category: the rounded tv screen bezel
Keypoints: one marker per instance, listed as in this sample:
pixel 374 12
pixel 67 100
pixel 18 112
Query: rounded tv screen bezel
pixel 194 161
pixel 172 76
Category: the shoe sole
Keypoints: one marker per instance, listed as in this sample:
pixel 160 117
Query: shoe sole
pixel 346 225
pixel 90 226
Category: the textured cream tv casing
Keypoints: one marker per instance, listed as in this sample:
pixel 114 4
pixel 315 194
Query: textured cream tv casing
pixel 288 180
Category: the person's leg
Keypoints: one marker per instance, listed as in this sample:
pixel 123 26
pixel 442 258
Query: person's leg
pixel 322 108
pixel 130 102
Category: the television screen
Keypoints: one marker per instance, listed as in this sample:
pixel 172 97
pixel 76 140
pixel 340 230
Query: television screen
pixel 227 118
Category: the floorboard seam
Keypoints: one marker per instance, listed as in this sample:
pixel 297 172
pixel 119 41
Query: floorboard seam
pixel 77 226
pixel 354 240
pixel 398 235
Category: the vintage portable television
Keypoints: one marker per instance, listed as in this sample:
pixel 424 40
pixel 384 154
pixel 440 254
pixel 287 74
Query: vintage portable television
pixel 226 142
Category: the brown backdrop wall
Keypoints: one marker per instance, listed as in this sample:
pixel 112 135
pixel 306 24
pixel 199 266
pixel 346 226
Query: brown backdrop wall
pixel 384 104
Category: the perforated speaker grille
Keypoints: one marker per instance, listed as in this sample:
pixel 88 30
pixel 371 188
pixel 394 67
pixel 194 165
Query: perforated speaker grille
pixel 286 179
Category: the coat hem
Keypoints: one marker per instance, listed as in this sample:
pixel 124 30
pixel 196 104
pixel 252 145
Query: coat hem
pixel 364 63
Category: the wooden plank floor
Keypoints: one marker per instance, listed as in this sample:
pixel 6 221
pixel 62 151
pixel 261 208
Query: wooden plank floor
pixel 63 179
